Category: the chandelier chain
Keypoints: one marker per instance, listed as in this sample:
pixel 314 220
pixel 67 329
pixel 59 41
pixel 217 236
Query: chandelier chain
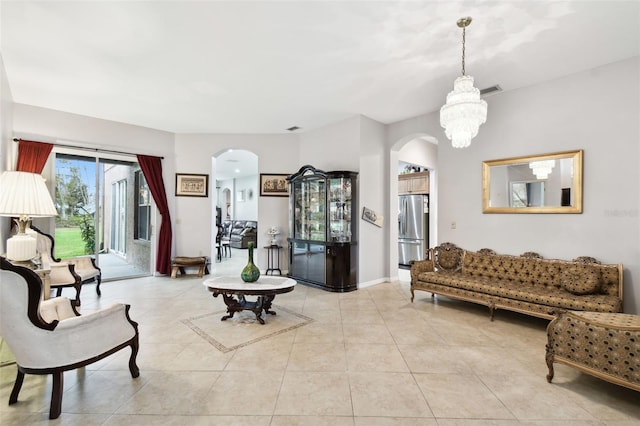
pixel 463 43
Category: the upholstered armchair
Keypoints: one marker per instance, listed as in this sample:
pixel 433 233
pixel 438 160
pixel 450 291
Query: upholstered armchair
pixel 72 272
pixel 50 337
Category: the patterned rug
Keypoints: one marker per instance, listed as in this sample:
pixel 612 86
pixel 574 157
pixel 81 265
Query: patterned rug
pixel 243 329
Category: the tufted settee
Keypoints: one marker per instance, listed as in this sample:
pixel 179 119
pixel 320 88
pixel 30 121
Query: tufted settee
pixel 241 232
pixel 604 345
pixel 526 283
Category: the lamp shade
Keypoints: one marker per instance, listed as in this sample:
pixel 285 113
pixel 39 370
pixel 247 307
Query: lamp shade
pixel 25 194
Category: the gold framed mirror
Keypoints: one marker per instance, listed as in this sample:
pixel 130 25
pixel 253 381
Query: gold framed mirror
pixel 546 183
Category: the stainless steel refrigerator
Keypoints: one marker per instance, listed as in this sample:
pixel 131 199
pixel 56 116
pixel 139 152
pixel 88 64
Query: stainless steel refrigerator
pixel 413 228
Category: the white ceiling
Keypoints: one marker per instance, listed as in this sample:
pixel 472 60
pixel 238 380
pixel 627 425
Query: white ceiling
pixel 236 163
pixel 261 67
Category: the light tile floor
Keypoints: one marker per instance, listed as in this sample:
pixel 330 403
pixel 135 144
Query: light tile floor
pixel 371 357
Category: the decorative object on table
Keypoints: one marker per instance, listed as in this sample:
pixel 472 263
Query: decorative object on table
pixel 273 185
pixel 250 273
pixel 273 231
pixel 24 195
pixel 372 217
pixel 192 185
pixel 464 111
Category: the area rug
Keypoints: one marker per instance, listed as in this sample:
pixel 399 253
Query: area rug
pixel 243 329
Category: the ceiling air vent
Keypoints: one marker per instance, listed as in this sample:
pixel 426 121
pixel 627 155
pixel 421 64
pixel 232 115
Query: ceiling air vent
pixel 293 128
pixel 490 90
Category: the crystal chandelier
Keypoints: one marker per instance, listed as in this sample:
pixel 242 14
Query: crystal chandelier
pixel 464 111
pixel 542 168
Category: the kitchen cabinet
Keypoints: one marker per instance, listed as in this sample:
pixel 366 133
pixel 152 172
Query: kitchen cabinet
pixel 413 183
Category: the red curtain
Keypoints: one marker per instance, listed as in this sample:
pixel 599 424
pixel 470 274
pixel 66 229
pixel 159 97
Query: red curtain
pixel 32 156
pixel 152 169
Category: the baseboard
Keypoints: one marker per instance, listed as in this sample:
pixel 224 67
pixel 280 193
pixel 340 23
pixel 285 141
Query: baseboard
pixel 373 282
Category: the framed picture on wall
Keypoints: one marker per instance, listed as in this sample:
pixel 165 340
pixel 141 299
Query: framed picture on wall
pixel 192 185
pixel 274 185
pixel 370 216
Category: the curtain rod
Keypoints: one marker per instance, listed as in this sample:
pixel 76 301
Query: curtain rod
pixel 87 149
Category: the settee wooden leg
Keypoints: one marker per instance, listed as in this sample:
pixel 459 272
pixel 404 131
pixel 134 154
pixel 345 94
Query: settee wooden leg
pixel 99 280
pixel 412 295
pixel 16 387
pixel 549 358
pixel 56 395
pixel 492 309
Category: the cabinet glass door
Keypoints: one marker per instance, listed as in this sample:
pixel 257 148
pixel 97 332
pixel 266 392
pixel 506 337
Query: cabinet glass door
pixel 316 263
pixel 298 258
pixel 340 209
pixel 309 210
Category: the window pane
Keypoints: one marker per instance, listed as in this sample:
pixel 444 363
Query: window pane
pixel 143 208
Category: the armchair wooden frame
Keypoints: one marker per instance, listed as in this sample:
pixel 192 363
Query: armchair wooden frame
pixel 73 275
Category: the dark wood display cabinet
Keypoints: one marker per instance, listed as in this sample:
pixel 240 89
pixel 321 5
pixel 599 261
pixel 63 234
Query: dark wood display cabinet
pixel 323 228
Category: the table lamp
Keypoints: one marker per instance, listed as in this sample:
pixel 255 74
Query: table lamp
pixel 24 195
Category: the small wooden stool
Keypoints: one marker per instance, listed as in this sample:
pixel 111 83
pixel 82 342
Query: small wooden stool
pixel 182 262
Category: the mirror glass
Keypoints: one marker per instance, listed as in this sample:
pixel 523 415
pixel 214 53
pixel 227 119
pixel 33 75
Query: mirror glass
pixel 547 183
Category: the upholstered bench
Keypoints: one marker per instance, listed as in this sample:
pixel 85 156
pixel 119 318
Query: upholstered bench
pixel 181 262
pixel 605 345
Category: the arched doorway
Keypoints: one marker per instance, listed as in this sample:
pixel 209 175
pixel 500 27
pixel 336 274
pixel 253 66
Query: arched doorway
pixel 419 153
pixel 235 172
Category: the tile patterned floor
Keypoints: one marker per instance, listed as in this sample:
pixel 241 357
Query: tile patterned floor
pixel 370 357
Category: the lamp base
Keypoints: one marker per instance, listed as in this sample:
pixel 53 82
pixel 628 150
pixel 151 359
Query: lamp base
pixel 21 247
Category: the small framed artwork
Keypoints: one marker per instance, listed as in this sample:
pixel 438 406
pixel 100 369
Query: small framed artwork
pixel 274 185
pixel 192 185
pixel 372 217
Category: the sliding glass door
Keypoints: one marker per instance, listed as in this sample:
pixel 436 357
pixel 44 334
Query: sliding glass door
pixel 98 213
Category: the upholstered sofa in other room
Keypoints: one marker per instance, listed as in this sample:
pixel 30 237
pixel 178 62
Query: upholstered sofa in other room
pixel 241 232
pixel 527 283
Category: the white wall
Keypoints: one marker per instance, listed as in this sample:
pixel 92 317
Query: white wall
pixel 221 198
pixel 333 147
pixel 7 161
pixel 357 144
pixel 374 180
pixel 277 153
pixel 247 209
pixel 420 151
pixel 598 111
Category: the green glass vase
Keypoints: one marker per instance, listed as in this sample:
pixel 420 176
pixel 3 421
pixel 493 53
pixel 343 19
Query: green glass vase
pixel 250 273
